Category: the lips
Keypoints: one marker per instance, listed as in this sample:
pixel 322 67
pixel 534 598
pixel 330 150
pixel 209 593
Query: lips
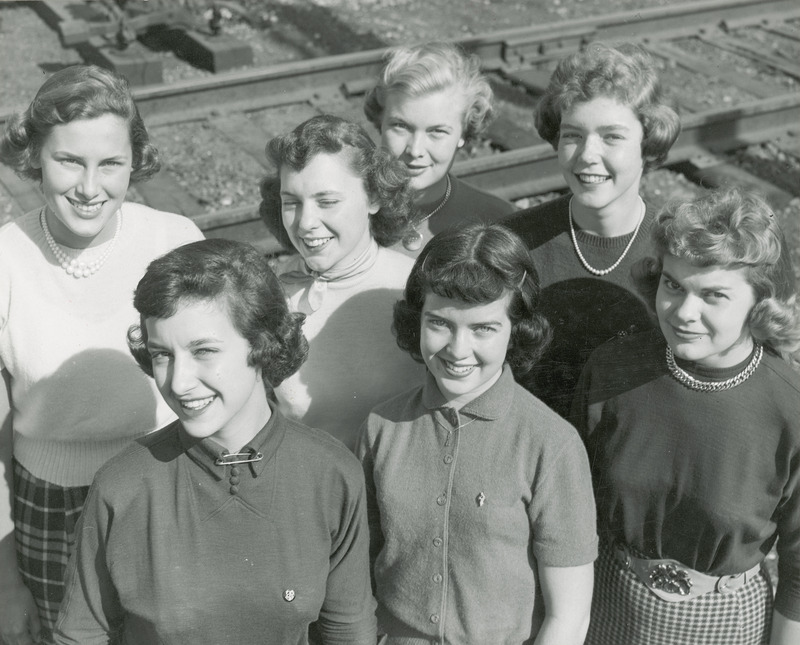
pixel 86 208
pixel 456 370
pixel 685 334
pixel 316 243
pixel 196 405
pixel 587 178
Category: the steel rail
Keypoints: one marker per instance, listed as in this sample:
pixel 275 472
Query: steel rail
pixel 297 81
pixel 534 170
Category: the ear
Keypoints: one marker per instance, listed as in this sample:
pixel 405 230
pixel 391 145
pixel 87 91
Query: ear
pixel 461 142
pixel 36 161
pixel 374 207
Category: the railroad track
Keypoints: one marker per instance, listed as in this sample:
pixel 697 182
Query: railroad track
pixel 512 162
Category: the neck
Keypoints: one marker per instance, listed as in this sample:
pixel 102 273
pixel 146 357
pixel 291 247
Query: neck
pixel 426 199
pixel 459 401
pixel 618 218
pixel 65 237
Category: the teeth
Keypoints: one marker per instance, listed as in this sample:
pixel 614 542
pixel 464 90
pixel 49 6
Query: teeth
pixel 459 369
pixel 592 179
pixel 197 404
pixel 319 241
pixel 87 209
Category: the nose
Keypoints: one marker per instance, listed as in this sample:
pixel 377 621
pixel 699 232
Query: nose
pixel 459 346
pixel 87 187
pixel 414 145
pixel 306 217
pixel 182 376
pixel 686 308
pixel 589 151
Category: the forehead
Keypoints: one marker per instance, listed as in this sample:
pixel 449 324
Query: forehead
pixel 193 318
pixel 467 312
pixel 716 275
pixel 324 172
pixel 602 111
pixel 106 135
pixel 445 106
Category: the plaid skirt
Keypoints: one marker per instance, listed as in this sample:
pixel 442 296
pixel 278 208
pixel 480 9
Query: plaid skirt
pixel 625 612
pixel 45 516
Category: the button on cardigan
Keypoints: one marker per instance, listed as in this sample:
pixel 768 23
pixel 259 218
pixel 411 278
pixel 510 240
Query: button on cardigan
pixel 462 505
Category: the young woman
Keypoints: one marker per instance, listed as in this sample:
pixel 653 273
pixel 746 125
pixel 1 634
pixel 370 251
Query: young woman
pixel 430 100
pixel 75 397
pixel 604 113
pixel 477 493
pixel 340 201
pixel 232 525
pixel 693 435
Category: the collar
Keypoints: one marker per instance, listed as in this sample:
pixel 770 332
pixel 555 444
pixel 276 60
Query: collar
pixel 315 284
pixel 205 452
pixel 491 405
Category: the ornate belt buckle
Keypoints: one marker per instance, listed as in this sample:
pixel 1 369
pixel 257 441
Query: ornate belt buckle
pixel 670 578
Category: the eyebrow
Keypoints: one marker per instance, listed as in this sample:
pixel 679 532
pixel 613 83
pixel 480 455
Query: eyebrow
pixel 604 128
pixel 665 274
pixel 192 344
pixel 482 323
pixel 321 193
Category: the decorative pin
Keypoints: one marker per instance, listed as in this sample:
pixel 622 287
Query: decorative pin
pixel 480 499
pixel 288 595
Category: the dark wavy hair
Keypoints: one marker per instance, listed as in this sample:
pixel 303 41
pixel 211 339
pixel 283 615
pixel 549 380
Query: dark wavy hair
pixel 732 228
pixel 624 72
pixel 477 264
pixel 385 179
pixel 238 275
pixel 431 67
pixel 71 94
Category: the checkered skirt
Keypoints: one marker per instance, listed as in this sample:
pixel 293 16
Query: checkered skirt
pixel 625 612
pixel 45 516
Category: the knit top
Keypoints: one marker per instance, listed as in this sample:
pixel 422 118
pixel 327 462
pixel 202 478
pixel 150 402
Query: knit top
pixel 77 394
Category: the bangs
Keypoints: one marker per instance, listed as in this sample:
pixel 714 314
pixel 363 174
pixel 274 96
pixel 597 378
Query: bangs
pixel 469 282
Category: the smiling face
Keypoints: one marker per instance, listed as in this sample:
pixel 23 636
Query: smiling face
pixel 424 132
pixel 86 169
pixel 464 345
pixel 325 210
pixel 600 154
pixel 200 367
pixel 703 312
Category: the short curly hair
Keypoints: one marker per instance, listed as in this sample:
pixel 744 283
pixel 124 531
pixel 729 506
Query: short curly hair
pixel 626 73
pixel 71 94
pixel 238 275
pixel 732 228
pixel 477 264
pixel 431 67
pixel 385 179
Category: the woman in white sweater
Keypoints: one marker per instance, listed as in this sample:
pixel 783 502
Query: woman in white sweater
pixel 67 271
pixel 340 201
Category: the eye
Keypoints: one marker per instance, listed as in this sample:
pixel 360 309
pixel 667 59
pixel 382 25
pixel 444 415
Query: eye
pixel 112 163
pixel 328 203
pixel 204 352
pixel 614 137
pixel 397 125
pixel 671 285
pixel 568 136
pixel 484 330
pixel 159 356
pixel 70 161
pixel 437 323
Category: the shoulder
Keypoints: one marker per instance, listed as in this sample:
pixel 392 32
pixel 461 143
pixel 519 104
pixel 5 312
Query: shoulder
pixel 784 381
pixel 19 228
pixel 529 414
pixel 537 224
pixel 173 229
pixel 388 258
pixel 401 407
pixel 137 461
pixel 489 207
pixel 329 456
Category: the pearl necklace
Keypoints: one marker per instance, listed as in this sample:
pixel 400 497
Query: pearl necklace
pixel 588 266
pixel 692 383
pixel 413 239
pixel 72 265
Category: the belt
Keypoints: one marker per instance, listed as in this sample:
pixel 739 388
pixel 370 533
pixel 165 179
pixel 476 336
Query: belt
pixel 672 581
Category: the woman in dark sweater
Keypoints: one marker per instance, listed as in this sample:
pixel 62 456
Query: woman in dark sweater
pixel 694 439
pixel 604 113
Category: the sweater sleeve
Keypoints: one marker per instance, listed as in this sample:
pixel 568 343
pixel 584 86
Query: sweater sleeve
pixel 376 539
pixel 91 612
pixel 347 616
pixel 787 598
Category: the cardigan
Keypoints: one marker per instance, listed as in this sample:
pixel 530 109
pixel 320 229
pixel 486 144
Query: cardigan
pixel 174 549
pixel 465 205
pixel 710 479
pixel 78 396
pixel 463 505
pixel 353 362
pixel 584 310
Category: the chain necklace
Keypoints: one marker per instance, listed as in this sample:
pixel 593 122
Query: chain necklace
pixel 692 383
pixel 71 264
pixel 588 266
pixel 412 240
